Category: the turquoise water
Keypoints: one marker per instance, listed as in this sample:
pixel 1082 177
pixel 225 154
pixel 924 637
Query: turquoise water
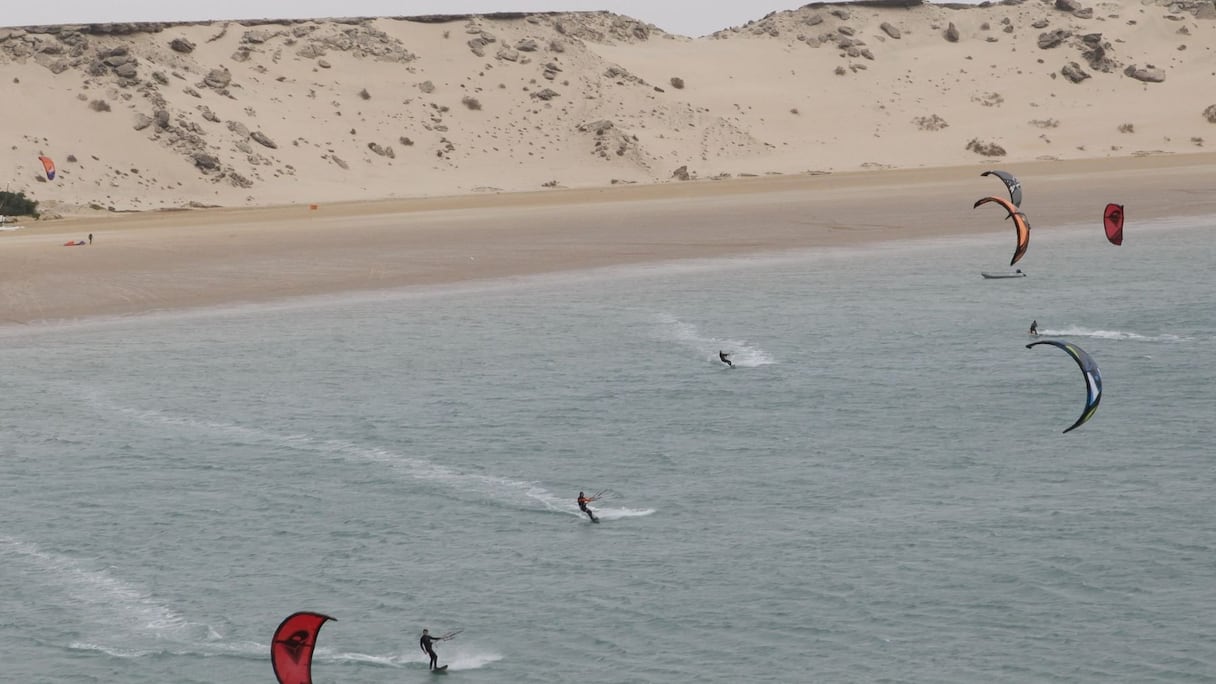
pixel 879 491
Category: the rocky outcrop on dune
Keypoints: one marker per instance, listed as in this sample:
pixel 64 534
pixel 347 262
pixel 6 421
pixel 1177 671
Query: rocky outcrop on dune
pixel 173 88
pixel 313 41
pixel 105 58
pixel 1147 73
pixel 601 27
pixel 863 29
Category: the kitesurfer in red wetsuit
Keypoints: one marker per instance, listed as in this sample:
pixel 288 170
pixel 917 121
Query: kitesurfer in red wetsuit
pixel 583 500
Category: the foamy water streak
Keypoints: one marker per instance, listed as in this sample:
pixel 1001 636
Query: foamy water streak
pixel 1076 331
pixel 688 336
pixel 123 621
pixel 498 489
pixel 122 618
pixel 455 656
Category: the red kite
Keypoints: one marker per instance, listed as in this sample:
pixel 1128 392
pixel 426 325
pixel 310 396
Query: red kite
pixel 291 650
pixel 1112 219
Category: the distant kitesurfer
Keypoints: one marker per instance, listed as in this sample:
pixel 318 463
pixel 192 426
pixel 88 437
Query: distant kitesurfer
pixel 426 643
pixel 583 500
pixel 1034 327
pixel 725 358
pixel 90 238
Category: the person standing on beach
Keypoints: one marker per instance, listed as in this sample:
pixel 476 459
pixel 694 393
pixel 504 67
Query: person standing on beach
pixel 90 238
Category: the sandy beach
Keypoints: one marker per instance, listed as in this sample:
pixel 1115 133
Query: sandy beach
pixel 445 149
pixel 166 260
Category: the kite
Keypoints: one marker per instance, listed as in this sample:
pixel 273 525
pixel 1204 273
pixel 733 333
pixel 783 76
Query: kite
pixel 1014 185
pixel 1112 219
pixel 48 166
pixel 291 650
pixel 1093 379
pixel 1019 220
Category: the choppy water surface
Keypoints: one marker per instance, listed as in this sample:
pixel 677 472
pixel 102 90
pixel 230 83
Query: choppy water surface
pixel 879 490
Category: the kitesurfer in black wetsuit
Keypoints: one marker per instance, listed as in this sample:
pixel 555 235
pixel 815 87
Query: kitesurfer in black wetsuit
pixel 583 500
pixel 426 643
pixel 725 358
pixel 1034 327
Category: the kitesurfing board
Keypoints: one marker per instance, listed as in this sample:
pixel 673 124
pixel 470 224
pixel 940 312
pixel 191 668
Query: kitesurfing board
pixel 993 276
pixel 440 670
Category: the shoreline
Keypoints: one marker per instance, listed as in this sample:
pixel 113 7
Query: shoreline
pixel 739 185
pixel 169 260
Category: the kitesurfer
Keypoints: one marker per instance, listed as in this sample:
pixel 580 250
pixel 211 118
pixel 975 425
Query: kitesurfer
pixel 1034 327
pixel 583 500
pixel 90 238
pixel 725 358
pixel 427 644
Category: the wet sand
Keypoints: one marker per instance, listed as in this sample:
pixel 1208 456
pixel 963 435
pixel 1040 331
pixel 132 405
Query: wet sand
pixel 175 260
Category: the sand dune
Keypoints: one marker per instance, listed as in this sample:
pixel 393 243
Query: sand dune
pixel 248 114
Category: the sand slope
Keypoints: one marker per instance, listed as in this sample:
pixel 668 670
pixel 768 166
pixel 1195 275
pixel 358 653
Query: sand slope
pixel 232 114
